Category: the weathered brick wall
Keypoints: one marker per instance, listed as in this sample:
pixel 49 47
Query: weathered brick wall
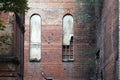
pixel 107 39
pixel 52 12
pixel 11 58
pixel 19 45
pixel 5 45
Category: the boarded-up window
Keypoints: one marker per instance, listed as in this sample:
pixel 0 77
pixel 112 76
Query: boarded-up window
pixel 68 31
pixel 35 38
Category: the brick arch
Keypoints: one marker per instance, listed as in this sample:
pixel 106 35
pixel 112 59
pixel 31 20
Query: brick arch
pixel 67 14
pixel 33 15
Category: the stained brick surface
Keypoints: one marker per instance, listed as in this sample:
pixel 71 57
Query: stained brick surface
pixel 52 12
pixel 51 65
pixel 107 39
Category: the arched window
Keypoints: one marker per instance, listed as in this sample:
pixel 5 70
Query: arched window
pixel 35 38
pixel 68 33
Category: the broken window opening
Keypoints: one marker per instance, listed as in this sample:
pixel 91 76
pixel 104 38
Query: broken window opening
pixel 68 31
pixel 68 51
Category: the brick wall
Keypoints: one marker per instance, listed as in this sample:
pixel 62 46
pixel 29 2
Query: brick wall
pixel 107 39
pixel 6 49
pixel 11 58
pixel 19 44
pixel 51 64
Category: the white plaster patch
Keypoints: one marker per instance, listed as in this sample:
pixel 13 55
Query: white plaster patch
pixel 35 38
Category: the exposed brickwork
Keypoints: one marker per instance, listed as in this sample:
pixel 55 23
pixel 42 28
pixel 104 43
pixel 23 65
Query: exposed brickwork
pixel 11 59
pixel 4 17
pixel 107 39
pixel 52 12
pixel 6 49
pixel 19 44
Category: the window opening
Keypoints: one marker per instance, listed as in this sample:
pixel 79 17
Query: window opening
pixel 35 38
pixel 67 48
pixel 68 51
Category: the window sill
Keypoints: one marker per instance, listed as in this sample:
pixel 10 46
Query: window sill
pixel 68 60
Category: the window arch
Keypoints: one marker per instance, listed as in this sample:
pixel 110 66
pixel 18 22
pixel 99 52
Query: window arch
pixel 68 33
pixel 35 38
